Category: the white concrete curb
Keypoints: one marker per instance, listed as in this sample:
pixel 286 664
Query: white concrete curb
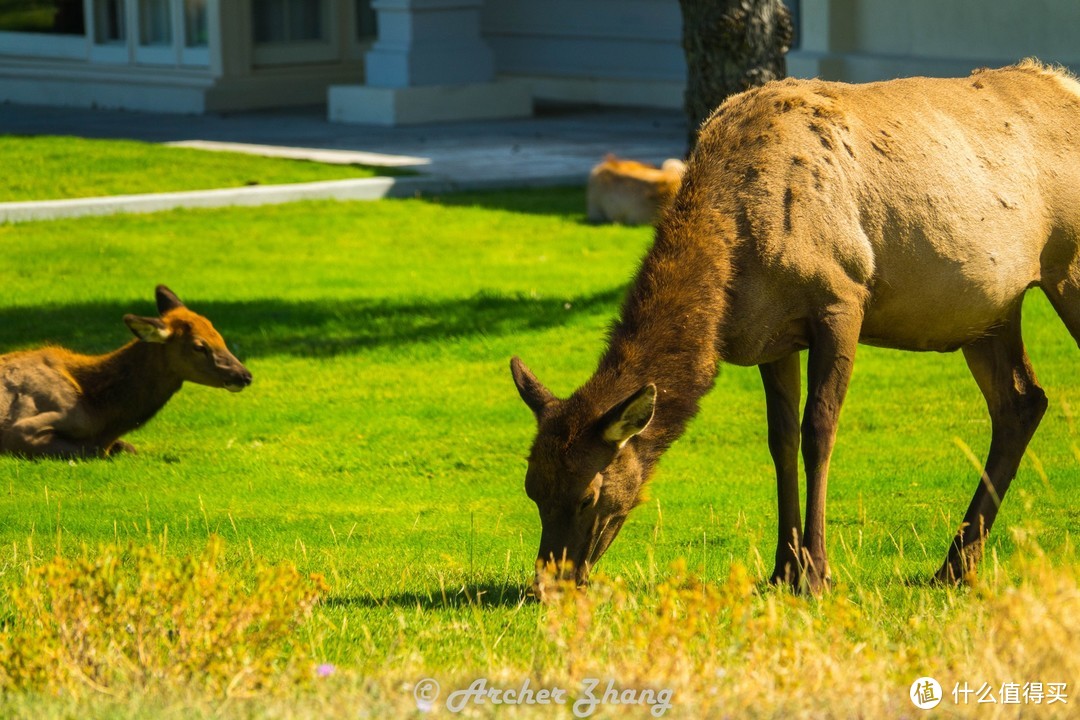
pixel 354 189
pixel 320 155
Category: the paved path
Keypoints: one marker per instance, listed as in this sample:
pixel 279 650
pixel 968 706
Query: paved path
pixel 552 148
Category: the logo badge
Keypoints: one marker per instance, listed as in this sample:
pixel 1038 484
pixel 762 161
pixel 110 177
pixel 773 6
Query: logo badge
pixel 925 693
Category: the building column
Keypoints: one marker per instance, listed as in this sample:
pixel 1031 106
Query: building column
pixel 429 64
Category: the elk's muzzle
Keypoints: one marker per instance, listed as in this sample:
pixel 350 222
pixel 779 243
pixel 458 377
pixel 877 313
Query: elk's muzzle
pixel 566 567
pixel 239 379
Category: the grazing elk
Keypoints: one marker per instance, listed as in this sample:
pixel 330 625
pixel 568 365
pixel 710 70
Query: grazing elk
pixel 56 403
pixel 912 214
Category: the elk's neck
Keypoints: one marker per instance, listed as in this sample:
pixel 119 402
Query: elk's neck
pixel 128 386
pixel 668 329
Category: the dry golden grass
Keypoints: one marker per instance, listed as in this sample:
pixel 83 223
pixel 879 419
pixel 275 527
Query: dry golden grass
pixel 183 642
pixel 729 650
pixel 119 622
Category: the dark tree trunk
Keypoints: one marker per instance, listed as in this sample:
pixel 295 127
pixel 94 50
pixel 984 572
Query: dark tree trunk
pixel 731 46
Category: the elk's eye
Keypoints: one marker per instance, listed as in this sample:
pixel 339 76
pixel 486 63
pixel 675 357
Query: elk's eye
pixel 202 347
pixel 586 503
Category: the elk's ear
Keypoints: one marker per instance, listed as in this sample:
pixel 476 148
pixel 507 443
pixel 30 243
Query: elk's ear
pixel 148 329
pixel 166 300
pixel 532 391
pixel 629 417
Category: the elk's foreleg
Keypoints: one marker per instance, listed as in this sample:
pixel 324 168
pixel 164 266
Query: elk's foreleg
pixel 1016 403
pixel 782 383
pixel 832 358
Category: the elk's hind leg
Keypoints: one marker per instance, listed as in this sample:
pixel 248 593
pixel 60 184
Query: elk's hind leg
pixel 1016 402
pixel 37 436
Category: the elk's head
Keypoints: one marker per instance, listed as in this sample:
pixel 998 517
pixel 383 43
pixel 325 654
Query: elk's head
pixel 585 473
pixel 194 350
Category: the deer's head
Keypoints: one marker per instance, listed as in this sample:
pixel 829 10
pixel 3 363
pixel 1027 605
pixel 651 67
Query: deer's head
pixel 194 350
pixel 585 473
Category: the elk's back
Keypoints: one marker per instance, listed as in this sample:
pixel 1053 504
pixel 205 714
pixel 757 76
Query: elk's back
pixel 931 202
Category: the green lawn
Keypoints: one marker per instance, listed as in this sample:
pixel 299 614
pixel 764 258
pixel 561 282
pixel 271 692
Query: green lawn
pixel 52 168
pixel 382 444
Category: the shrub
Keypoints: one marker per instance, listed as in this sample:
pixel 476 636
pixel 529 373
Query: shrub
pixel 126 620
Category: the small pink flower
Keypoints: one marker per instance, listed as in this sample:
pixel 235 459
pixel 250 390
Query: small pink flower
pixel 325 670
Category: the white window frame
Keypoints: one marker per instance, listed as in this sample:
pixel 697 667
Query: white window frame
pixel 153 54
pixel 129 51
pixel 118 53
pixel 198 55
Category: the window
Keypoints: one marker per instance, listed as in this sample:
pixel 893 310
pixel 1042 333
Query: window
pixel 155 27
pixel 287 20
pixel 154 32
pixel 365 20
pixel 293 31
pixel 196 33
pixel 59 17
pixel 110 27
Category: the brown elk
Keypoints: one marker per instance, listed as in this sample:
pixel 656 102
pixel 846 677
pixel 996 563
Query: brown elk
pixel 56 403
pixel 911 214
pixel 630 192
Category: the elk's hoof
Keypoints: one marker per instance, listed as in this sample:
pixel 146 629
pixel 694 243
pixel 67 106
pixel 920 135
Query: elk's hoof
pixel 961 564
pixel 805 578
pixel 804 583
pixel 952 574
pixel 815 584
pixel 119 447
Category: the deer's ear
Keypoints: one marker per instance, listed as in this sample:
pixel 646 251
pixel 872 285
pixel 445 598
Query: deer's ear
pixel 531 390
pixel 166 300
pixel 148 329
pixel 629 417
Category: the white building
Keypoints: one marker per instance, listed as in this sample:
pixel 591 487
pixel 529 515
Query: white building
pixel 404 61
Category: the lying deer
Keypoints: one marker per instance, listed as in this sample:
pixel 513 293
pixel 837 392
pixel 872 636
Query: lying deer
pixel 56 403
pixel 912 214
pixel 630 192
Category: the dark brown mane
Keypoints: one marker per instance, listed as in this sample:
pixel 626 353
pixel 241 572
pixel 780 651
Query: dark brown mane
pixel 668 329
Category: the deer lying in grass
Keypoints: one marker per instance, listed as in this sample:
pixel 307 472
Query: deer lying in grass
pixel 912 214
pixel 630 192
pixel 56 403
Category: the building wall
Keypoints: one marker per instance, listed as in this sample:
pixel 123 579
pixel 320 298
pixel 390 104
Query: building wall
pixel 864 40
pixel 628 52
pixel 625 52
pixel 615 52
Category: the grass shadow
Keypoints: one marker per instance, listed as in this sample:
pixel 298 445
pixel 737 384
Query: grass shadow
pixel 927 580
pixel 477 595
pixel 566 202
pixel 318 328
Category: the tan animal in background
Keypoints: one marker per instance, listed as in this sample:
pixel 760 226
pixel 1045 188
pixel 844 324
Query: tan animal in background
pixel 630 192
pixel 54 402
pixel 912 214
